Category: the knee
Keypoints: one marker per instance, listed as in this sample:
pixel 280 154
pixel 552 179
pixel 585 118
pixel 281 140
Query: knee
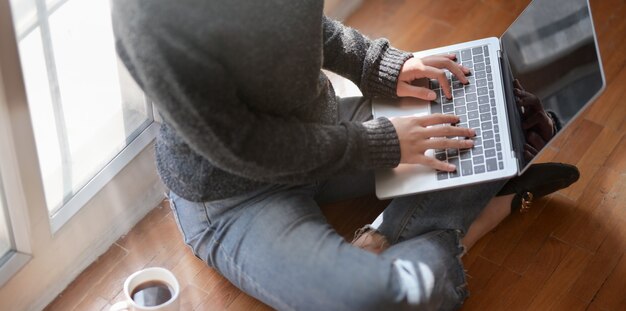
pixel 428 274
pixel 428 285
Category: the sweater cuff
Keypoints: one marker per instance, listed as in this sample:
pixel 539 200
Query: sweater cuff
pixel 382 142
pixel 384 81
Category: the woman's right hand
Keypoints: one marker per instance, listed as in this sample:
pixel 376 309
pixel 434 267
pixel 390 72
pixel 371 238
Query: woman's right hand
pixel 418 134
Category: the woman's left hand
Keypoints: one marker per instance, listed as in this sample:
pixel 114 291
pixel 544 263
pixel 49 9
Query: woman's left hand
pixel 431 67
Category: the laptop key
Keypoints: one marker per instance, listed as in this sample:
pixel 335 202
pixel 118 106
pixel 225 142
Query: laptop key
pixel 472 106
pixel 479 169
pixel 478 59
pixel 470 88
pixel 492 165
pixel 488 134
pixel 497 138
pixel 488 69
pixel 466 168
pixel 483 100
pixel 465 154
pixel 478 159
pixel 486 126
pixel 489 77
pixel 460 110
pixel 452 153
pixel 448 108
pixel 459 101
pixel 482 83
pixel 490 85
pixel 458 93
pixel 489 143
pixel 490 153
pixel 480 74
pixel 477 50
pixel 474 123
pixel 501 165
pixel 482 91
pixel 434 84
pixel 487 61
pixel 466 54
pixel 486 50
pixel 442 175
pixel 477 150
pixel 495 120
pixel 493 102
pixel 455 162
pixel 468 64
pixel 485 117
pixel 440 156
pixel 479 67
pixel 471 97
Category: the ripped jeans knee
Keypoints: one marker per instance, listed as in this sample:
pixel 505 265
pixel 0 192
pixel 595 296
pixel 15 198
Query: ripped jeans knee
pixel 431 276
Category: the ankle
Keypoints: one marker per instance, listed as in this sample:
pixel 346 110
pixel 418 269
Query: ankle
pixel 369 239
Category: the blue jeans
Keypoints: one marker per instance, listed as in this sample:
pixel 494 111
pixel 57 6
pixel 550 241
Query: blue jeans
pixel 275 244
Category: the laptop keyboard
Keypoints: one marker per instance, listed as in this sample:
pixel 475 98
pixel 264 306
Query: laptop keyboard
pixel 475 105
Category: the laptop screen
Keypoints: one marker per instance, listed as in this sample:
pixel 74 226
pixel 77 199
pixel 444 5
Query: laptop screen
pixel 553 58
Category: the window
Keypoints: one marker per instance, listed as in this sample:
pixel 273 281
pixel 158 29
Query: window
pixel 12 255
pixel 88 116
pixel 6 243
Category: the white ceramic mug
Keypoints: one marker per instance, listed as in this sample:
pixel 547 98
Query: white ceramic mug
pixel 144 276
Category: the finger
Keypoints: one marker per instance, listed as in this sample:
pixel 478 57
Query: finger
pixel 440 75
pixel 436 164
pixel 447 143
pixel 532 121
pixel 448 131
pixel 517 84
pixel 437 118
pixel 535 140
pixel 453 67
pixel 407 90
pixel 530 149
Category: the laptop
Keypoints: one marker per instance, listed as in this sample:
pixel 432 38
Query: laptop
pixel 550 52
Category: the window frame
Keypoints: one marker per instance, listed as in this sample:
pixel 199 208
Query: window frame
pixel 14 198
pixel 21 176
pixel 70 206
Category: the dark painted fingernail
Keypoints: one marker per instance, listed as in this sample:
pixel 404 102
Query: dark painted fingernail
pixel 468 74
pixel 466 83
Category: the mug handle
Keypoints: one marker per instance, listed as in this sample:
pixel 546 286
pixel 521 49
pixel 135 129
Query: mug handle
pixel 122 305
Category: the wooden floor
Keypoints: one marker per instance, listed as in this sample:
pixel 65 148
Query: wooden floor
pixel 566 254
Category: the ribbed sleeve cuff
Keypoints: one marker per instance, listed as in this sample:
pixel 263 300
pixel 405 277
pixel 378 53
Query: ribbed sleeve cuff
pixel 383 79
pixel 382 142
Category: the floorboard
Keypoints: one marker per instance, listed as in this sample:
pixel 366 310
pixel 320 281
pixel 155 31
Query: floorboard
pixel 568 253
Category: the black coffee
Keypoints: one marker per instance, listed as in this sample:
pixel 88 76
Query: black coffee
pixel 151 293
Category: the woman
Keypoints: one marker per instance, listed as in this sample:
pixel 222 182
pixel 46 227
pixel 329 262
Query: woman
pixel 254 140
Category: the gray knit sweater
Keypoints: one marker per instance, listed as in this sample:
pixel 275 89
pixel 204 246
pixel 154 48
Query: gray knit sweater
pixel 243 98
